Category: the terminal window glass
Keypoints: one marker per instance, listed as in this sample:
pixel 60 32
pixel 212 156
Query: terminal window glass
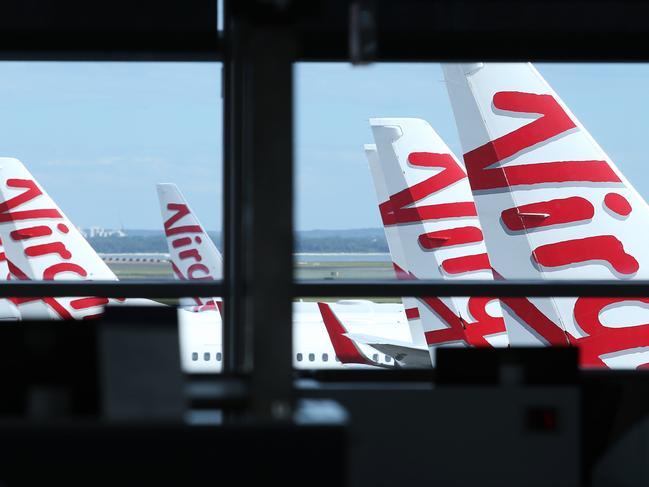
pixel 454 171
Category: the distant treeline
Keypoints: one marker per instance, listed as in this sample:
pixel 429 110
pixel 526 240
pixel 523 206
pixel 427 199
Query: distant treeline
pixel 340 244
pixel 361 240
pixel 129 244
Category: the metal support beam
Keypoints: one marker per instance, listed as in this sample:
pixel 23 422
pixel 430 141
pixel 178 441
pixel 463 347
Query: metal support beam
pixel 387 288
pixel 328 289
pixel 259 229
pixel 110 289
pixel 234 337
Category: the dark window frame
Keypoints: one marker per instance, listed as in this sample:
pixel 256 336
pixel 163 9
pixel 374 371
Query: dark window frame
pixel 267 37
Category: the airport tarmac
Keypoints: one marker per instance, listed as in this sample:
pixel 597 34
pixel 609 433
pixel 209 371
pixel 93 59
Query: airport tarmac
pixel 335 270
pixel 303 270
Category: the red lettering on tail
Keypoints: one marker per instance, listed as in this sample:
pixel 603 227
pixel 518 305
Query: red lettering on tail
pixel 397 210
pixel 31 232
pixel 458 329
pixel 32 191
pixel 51 302
pixel 450 237
pixel 474 333
pixel 181 242
pixel 84 303
pixel 603 247
pixel 466 263
pixel 181 211
pixel 190 254
pixel 52 271
pixel 547 213
pixel 601 339
pixel 537 321
pixel 552 122
pixel 455 331
pixel 195 269
pixel 534 318
pixel 617 204
pixel 412 313
pixel 49 248
pixel 484 324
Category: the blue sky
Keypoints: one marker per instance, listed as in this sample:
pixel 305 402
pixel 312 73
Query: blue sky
pixel 335 101
pixel 98 136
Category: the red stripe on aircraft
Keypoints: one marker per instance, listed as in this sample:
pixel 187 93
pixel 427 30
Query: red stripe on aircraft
pixel 31 232
pixel 603 247
pixel 83 303
pixel 553 121
pixel 346 350
pixel 450 237
pixel 602 340
pixel 51 302
pixel 181 242
pixel 52 271
pixel 466 263
pixel 617 204
pixel 412 313
pixel 48 248
pixel 32 191
pixel 546 213
pixel 398 209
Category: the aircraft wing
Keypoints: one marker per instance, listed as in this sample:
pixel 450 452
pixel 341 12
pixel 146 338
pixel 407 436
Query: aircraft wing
pixel 346 349
pixel 405 354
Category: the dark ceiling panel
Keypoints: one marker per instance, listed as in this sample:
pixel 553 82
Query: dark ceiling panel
pixel 116 29
pixel 424 30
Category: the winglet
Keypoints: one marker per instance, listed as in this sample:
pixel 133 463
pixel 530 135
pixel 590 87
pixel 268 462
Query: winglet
pixel 345 348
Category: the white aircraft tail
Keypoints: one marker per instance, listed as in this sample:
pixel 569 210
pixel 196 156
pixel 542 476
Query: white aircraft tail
pixel 193 254
pixel 430 218
pixel 411 305
pixel 553 206
pixel 8 310
pixel 41 243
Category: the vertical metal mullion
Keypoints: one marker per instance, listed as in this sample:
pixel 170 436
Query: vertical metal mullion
pixel 258 274
pixel 269 156
pixel 234 310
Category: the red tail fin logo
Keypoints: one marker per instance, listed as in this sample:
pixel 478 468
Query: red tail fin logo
pixel 195 271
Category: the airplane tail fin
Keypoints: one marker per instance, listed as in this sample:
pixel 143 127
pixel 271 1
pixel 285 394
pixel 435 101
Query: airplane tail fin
pixel 346 350
pixel 41 243
pixel 554 207
pixel 396 251
pixel 8 310
pixel 193 254
pixel 428 213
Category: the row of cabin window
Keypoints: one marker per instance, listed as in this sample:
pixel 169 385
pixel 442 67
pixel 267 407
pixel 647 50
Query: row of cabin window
pixel 207 356
pixel 325 357
pixel 300 357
